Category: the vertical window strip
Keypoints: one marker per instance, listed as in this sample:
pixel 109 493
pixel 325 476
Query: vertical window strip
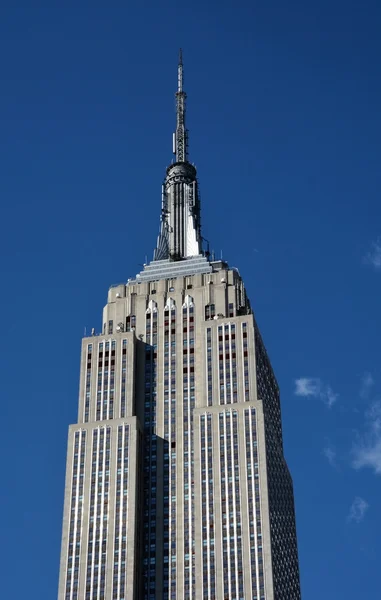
pixel 88 383
pixel 188 483
pixel 204 516
pixel 258 519
pixel 99 381
pixel 123 380
pixel 76 506
pixel 255 523
pixel 169 364
pixel 251 504
pixel 211 531
pixel 209 366
pixel 187 460
pixel 111 395
pixel 126 443
pixel 150 460
pixel 121 514
pixel 98 524
pixel 105 487
pixel 147 457
pixel 207 501
pixel 221 365
pixel 106 381
pixel 167 373
pixel 93 520
pixel 172 566
pixel 230 505
pixel 237 508
pixel 98 514
pixel 245 362
pixel 233 363
pixel 231 529
pixel 224 506
pixel 118 520
pixel 227 363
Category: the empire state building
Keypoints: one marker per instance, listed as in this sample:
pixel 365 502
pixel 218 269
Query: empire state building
pixel 176 482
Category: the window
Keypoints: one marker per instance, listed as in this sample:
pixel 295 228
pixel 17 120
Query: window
pixel 210 311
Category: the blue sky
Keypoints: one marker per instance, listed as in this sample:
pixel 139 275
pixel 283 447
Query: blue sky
pixel 285 130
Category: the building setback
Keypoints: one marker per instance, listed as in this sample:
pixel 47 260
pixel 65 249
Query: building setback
pixel 176 482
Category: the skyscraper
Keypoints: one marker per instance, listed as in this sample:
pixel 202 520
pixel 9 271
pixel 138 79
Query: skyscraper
pixel 176 482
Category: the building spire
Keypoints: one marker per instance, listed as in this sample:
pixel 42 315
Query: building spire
pixel 180 229
pixel 180 137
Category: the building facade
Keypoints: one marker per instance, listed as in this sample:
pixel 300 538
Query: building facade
pixel 176 482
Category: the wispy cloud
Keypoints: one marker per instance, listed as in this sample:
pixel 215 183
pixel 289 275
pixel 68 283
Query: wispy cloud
pixel 367 383
pixel 330 396
pixel 373 257
pixel 330 454
pixel 373 415
pixel 315 387
pixel 357 510
pixel 367 449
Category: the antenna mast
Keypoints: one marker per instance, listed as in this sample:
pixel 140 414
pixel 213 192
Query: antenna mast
pixel 180 137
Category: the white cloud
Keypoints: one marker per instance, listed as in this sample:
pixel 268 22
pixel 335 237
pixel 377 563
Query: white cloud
pixel 330 455
pixel 373 415
pixel 307 386
pixel 313 386
pixel 368 455
pixel 358 509
pixel 367 383
pixel 329 396
pixel 367 449
pixel 373 257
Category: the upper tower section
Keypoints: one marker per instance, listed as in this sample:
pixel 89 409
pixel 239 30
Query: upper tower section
pixel 180 232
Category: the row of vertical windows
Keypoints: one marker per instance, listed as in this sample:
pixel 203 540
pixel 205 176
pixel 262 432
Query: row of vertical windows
pixel 123 380
pixel 254 506
pixel 209 366
pixel 279 484
pixel 106 381
pixel 207 509
pixel 76 508
pixel 188 483
pixel 230 506
pixel 267 387
pixel 227 364
pixel 150 453
pixel 169 483
pixel 88 382
pixel 98 513
pixel 245 361
pixel 121 505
